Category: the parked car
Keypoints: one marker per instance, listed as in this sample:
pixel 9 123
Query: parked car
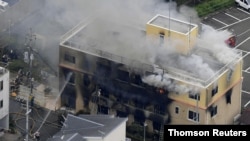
pixel 244 4
pixel 231 41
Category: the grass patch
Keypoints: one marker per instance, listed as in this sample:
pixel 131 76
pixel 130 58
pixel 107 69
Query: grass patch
pixel 211 6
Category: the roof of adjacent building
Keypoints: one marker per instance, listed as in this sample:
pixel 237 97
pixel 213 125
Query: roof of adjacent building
pixel 77 128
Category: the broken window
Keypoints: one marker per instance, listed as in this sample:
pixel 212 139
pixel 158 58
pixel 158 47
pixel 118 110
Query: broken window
pixel 66 73
pixel 103 69
pixel 123 75
pixel 69 58
pixel 136 79
pixel 214 90
pixel 103 109
pixel 228 96
pixel 194 96
pixel 213 111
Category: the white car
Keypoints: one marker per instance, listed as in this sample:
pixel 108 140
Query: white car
pixel 244 4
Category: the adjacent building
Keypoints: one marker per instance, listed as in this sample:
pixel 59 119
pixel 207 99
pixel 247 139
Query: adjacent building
pixel 159 74
pixel 92 128
pixel 4 98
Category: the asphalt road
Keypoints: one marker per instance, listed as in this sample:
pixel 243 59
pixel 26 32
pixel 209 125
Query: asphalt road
pixel 36 118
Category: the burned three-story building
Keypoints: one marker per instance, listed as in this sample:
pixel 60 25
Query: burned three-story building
pixel 159 74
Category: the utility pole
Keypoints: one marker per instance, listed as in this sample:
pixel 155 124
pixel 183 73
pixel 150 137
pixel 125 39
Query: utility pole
pixel 29 39
pixel 144 131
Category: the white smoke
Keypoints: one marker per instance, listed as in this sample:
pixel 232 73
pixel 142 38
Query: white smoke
pixel 132 44
pixel 165 82
pixel 214 41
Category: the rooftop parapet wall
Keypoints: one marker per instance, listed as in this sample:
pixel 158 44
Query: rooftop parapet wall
pixel 179 34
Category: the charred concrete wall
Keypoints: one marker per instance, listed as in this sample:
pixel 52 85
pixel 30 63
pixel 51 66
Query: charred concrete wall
pixel 108 87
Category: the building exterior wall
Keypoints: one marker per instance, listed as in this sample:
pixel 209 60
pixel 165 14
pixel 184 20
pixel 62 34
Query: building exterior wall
pixel 217 98
pixel 118 134
pixel 4 98
pixel 182 42
pixel 182 101
pixel 88 92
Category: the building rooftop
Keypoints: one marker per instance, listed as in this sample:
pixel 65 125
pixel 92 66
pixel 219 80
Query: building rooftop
pixel 172 24
pixel 130 46
pixel 92 126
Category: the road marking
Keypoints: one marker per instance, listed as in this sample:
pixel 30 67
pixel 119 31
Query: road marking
pixel 232 17
pixel 246 71
pixel 247 103
pixel 234 23
pixel 243 10
pixel 220 21
pixel 242 42
pixel 245 92
pixel 243 32
pixel 245 54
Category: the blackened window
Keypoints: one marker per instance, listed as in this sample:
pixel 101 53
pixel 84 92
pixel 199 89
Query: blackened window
pixel 159 109
pixel 229 75
pixel 102 69
pixel 162 38
pixel 86 80
pixel 213 111
pixel 69 96
pixel 228 96
pixel 69 58
pixel 177 110
pixel 136 79
pixel 193 116
pixel 1 85
pixel 121 114
pixel 139 116
pixel 67 75
pixel 215 90
pixel 123 75
pixel 103 109
pixel 195 96
pixel 72 78
pixel 1 104
pixel 157 126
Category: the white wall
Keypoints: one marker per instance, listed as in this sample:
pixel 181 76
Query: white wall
pixel 118 134
pixel 4 95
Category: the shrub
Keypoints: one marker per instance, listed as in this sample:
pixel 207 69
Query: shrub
pixel 211 6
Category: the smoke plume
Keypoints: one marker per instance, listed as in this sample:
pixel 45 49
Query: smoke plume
pixel 120 29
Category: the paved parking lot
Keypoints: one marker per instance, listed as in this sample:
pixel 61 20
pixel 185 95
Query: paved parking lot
pixel 237 21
